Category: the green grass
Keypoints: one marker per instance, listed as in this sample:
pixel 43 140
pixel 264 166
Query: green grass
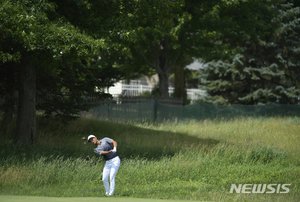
pixel 179 161
pixel 77 199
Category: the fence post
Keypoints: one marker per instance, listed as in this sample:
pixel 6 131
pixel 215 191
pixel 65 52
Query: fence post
pixel 108 115
pixel 140 113
pixel 155 110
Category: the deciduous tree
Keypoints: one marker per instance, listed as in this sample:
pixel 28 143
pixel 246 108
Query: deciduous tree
pixel 33 42
pixel 162 32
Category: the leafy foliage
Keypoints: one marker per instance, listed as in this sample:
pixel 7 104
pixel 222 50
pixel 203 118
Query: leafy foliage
pixel 164 33
pixel 266 71
pixel 65 57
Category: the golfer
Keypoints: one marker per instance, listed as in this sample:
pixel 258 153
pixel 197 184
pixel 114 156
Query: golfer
pixel 107 148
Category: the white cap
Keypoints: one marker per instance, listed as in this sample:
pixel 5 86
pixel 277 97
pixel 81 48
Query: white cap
pixel 89 137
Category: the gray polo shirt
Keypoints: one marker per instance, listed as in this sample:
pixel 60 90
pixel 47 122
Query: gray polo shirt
pixel 105 145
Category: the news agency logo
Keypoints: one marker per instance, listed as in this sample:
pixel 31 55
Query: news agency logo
pixel 260 188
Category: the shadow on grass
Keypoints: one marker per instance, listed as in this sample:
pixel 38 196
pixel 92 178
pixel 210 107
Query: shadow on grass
pixel 59 140
pixel 153 144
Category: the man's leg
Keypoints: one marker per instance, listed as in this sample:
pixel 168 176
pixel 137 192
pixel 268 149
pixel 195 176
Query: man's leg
pixel 113 172
pixel 105 175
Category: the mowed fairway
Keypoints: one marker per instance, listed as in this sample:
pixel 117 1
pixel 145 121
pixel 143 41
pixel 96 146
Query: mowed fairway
pixel 194 161
pixel 78 199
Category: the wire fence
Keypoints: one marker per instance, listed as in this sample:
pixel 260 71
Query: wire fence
pixel 155 111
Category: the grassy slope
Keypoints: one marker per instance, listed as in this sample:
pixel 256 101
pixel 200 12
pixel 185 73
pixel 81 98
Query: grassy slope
pixel 192 161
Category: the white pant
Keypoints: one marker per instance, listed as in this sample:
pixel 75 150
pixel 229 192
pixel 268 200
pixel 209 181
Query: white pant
pixel 110 170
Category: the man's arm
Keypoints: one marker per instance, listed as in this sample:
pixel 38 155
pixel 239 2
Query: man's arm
pixel 111 151
pixel 114 143
pixel 106 152
pixel 115 146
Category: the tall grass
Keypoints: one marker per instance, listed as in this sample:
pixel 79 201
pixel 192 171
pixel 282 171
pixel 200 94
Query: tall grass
pixel 192 160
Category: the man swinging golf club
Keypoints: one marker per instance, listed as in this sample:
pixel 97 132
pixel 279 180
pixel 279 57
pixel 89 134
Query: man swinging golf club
pixel 107 148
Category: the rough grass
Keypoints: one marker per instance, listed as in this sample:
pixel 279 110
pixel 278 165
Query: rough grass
pixel 183 161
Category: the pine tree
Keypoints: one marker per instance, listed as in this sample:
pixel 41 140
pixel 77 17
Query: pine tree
pixel 267 70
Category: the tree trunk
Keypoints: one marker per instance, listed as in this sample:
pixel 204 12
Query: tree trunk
pixel 26 120
pixel 179 91
pixel 9 101
pixel 163 84
pixel 180 88
pixel 163 65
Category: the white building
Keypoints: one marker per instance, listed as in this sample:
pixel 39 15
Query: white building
pixel 146 84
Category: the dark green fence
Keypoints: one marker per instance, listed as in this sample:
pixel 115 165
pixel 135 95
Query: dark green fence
pixel 155 111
